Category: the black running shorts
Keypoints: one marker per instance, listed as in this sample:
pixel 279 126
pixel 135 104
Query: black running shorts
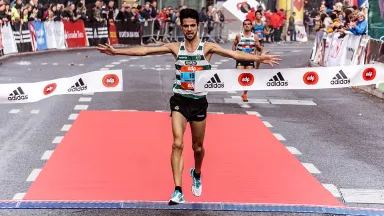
pixel 191 109
pixel 245 64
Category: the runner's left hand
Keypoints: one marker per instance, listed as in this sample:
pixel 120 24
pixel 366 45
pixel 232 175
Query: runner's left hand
pixel 107 49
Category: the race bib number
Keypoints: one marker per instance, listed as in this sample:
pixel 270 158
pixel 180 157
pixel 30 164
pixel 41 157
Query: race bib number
pixel 187 76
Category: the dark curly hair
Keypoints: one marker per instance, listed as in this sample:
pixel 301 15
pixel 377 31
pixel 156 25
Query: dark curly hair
pixel 189 13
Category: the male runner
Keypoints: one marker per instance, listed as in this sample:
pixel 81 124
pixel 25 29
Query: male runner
pixel 187 105
pixel 246 42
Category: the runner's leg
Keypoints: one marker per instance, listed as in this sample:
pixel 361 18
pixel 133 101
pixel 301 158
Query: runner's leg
pixel 245 98
pixel 177 162
pixel 198 134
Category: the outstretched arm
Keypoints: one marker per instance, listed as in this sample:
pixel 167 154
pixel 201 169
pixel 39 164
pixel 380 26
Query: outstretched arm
pixel 135 51
pixel 243 56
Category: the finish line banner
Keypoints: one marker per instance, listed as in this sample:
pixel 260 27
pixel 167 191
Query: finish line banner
pixel 96 81
pixel 289 78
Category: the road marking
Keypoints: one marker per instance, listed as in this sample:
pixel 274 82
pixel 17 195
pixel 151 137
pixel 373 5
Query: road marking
pixel 277 53
pixel 81 107
pixel 104 69
pixel 54 63
pixel 35 111
pixel 116 63
pixel 14 111
pixel 292 102
pixel 239 100
pixel 109 66
pixel 89 93
pixel 160 111
pixel 81 64
pixel 157 65
pixel 33 175
pixel 224 60
pixel 311 168
pixel 236 97
pixel 47 154
pixel 216 113
pixel 267 124
pixel 363 196
pixel 232 92
pixel 253 113
pixel 296 51
pixel 244 105
pixel 18 196
pixel 66 127
pixel 333 189
pixel 218 63
pixel 133 58
pixel 44 63
pixel 279 136
pixel 85 99
pixel 57 139
pixel 73 116
pixel 293 150
pixel 167 65
pixel 131 65
pixel 215 66
pixel 124 60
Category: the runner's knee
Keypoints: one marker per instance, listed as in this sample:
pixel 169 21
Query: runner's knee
pixel 178 145
pixel 197 146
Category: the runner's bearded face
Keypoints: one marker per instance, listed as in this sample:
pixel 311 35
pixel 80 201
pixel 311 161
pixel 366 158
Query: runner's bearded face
pixel 190 28
pixel 247 26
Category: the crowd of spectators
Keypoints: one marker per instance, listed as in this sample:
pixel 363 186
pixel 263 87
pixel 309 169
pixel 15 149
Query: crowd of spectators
pixel 340 17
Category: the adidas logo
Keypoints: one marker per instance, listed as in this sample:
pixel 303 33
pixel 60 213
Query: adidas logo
pixel 79 86
pixel 214 82
pixel 18 94
pixel 340 79
pixel 277 80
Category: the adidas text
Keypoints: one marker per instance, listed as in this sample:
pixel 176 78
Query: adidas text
pixel 340 82
pixel 79 88
pixel 214 85
pixel 18 97
pixel 277 83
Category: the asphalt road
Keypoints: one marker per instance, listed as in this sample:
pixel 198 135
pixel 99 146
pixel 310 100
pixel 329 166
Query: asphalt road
pixel 337 133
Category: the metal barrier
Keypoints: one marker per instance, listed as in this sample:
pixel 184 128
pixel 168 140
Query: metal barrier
pixel 167 32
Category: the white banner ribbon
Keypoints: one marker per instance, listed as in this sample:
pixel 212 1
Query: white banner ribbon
pixel 289 78
pixel 96 81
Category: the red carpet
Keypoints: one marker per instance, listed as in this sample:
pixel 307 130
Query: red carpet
pixel 126 156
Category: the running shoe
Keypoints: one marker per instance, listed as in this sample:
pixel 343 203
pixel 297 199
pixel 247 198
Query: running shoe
pixel 245 99
pixel 196 184
pixel 177 198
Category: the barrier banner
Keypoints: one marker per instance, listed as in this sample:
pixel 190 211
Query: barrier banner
pixel 301 35
pixel 8 39
pixel 55 34
pixel 97 33
pixel 74 33
pixel 337 50
pixel 1 41
pixel 351 50
pixel 373 51
pixel 39 40
pixel 113 34
pixel 290 78
pixel 22 37
pixel 128 33
pixel 96 81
